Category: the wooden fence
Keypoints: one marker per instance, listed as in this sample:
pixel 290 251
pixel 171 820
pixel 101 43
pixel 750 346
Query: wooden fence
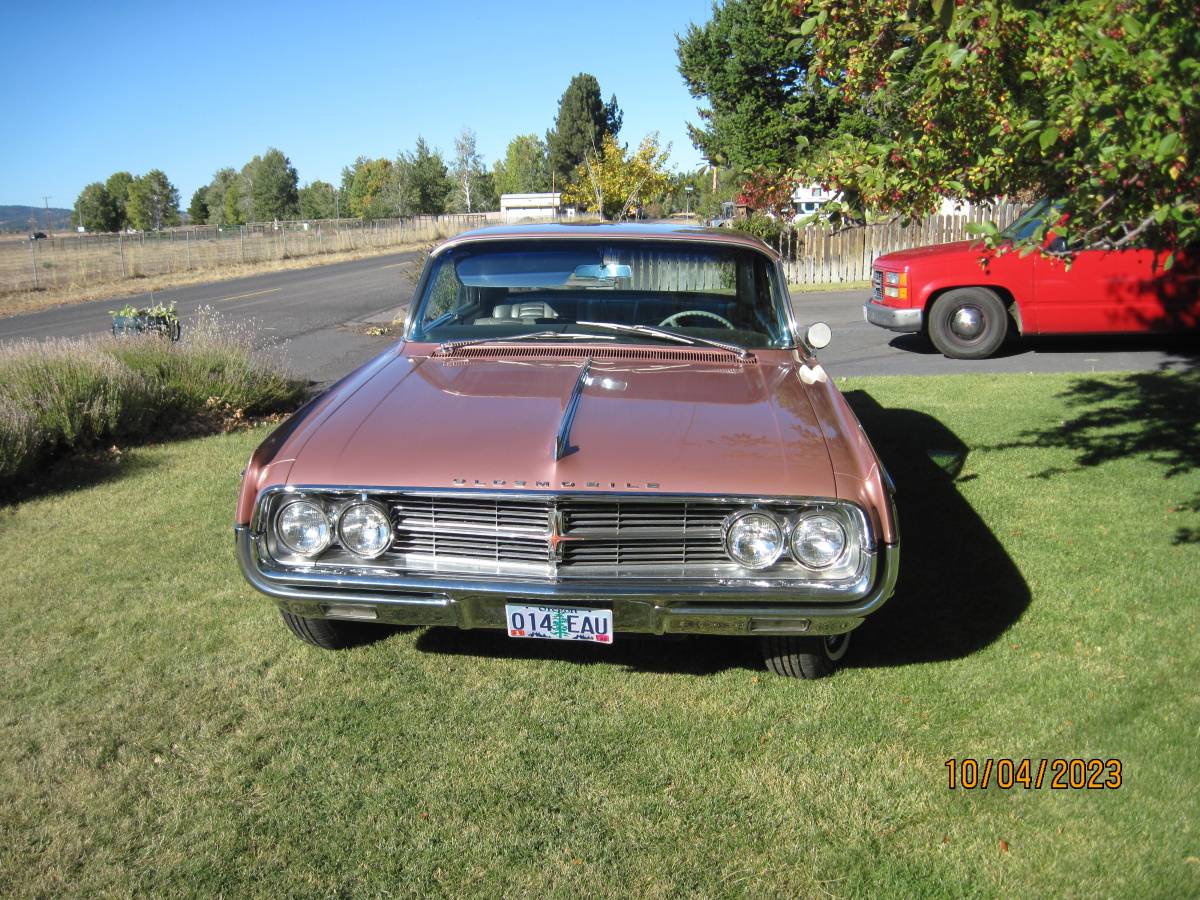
pixel 815 255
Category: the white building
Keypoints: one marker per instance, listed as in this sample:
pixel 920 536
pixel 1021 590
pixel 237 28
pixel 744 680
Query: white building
pixel 520 207
pixel 808 198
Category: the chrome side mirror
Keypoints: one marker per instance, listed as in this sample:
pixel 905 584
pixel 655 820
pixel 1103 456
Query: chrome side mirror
pixel 818 335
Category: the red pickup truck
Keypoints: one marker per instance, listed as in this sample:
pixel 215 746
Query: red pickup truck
pixel 968 299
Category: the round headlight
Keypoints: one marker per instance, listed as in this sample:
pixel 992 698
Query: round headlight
pixel 365 529
pixel 303 527
pixel 754 540
pixel 818 541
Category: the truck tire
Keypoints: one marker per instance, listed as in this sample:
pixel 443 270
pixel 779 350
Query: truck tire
pixel 804 657
pixel 329 634
pixel 968 323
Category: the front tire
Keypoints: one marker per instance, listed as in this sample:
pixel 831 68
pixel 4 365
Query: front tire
pixel 804 657
pixel 968 323
pixel 329 634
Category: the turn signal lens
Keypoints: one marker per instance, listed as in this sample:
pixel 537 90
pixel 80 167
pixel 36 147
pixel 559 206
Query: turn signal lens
pixel 895 285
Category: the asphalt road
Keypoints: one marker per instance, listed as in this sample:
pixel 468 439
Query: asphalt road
pixel 321 311
pixel 307 308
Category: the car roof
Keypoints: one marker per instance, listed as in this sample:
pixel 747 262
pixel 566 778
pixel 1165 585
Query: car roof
pixel 663 231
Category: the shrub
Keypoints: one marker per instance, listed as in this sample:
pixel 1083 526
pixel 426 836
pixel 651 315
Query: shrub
pixel 59 396
pixel 19 439
pixel 763 227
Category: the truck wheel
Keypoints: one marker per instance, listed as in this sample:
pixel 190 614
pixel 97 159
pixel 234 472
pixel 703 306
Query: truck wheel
pixel 329 634
pixel 804 657
pixel 968 323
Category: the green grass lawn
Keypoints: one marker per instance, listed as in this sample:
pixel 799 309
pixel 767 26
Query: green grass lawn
pixel 162 732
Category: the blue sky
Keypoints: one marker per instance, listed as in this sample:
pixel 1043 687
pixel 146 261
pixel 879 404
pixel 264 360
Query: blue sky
pixel 87 89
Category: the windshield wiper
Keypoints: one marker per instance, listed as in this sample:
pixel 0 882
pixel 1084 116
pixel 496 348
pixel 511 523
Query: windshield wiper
pixel 650 331
pixel 451 346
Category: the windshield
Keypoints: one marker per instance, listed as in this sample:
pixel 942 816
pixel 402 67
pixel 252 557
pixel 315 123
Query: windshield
pixel 1028 222
pixel 540 289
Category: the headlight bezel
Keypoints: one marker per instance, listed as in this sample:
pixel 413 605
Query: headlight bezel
pixel 369 504
pixel 277 530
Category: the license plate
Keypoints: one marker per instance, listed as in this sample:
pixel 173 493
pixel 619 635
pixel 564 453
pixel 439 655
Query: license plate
pixel 559 623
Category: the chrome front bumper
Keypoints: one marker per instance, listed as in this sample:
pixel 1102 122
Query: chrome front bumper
pixel 664 608
pixel 891 318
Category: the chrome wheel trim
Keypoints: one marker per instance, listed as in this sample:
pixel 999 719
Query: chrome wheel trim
pixel 836 646
pixel 967 322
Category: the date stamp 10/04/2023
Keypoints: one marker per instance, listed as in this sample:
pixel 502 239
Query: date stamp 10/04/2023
pixel 1034 774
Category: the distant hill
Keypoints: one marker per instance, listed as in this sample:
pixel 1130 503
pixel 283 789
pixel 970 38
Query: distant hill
pixel 16 218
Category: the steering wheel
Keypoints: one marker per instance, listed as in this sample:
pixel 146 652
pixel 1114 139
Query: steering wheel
pixel 703 313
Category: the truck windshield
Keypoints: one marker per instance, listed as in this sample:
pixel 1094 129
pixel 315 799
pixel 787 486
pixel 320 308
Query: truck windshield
pixel 501 289
pixel 1028 222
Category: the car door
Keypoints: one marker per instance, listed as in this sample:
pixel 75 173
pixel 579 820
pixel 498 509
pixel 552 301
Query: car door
pixel 1103 291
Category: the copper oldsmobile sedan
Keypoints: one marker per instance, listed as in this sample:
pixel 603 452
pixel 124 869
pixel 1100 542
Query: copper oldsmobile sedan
pixel 586 431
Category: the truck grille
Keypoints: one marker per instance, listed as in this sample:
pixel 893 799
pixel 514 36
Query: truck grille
pixel 877 285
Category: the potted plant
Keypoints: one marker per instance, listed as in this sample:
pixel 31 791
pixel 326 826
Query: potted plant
pixel 159 319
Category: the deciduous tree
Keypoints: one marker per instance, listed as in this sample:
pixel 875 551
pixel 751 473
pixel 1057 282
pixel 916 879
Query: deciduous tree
pixel 272 187
pixel 95 210
pixel 198 208
pixel 615 184
pixel 215 196
pixel 318 200
pixel 232 206
pixel 468 170
pixel 153 202
pixel 525 168
pixel 117 186
pixel 1095 103
pixel 370 188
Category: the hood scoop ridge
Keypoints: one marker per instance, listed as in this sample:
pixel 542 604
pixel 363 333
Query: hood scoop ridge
pixel 638 354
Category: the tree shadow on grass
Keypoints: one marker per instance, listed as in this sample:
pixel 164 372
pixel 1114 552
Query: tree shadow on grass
pixel 958 589
pixel 76 472
pixel 1149 415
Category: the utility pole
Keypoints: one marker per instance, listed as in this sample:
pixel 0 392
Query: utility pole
pixel 46 202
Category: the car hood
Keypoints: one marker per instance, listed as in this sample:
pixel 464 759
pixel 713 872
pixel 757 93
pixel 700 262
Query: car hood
pixel 681 427
pixel 901 258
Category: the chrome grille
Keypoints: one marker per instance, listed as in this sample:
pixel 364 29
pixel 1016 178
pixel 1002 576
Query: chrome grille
pixel 623 535
pixel 548 538
pixel 470 535
pixel 877 285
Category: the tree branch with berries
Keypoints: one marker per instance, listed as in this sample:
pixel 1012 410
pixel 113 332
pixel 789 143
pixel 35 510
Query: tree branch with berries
pixel 1094 104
